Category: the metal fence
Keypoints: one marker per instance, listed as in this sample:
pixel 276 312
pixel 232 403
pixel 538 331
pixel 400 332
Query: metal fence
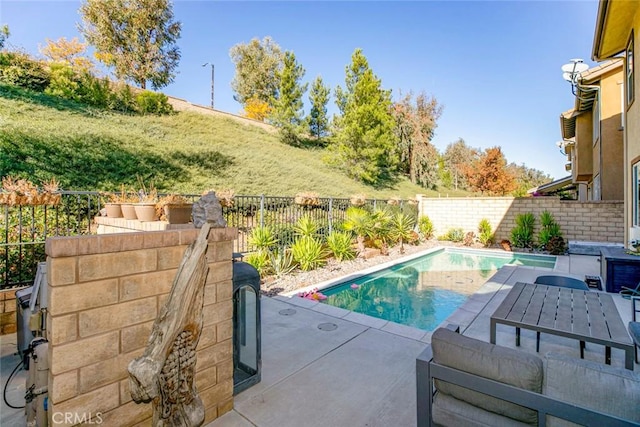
pixel 24 229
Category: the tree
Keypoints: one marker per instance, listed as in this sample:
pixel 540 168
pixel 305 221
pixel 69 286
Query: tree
pixel 364 142
pixel 69 52
pixel 318 119
pixel 488 173
pixel 136 37
pixel 257 66
pixel 4 35
pixel 256 109
pixel 527 178
pixel 457 156
pixel 415 128
pixel 287 108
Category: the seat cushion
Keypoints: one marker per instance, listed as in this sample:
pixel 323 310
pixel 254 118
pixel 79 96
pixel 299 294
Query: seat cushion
pixel 593 385
pixel 451 412
pixel 502 364
pixel 634 331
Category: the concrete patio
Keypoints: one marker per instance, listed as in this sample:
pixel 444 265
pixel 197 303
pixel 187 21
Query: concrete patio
pixel 361 373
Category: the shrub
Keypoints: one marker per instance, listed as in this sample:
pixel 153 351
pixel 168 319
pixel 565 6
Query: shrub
pixel 469 238
pixel 522 233
pixel 17 68
pixel 426 227
pixel 260 261
pixel 95 91
pixel 308 253
pixel 153 103
pixel 556 245
pixel 549 229
pixel 485 233
pixel 63 82
pixel 339 242
pixel 262 238
pixel 122 99
pixel 453 235
pixel 401 228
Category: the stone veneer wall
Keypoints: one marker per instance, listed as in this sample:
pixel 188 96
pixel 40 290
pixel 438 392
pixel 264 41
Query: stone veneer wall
pixel 104 294
pixel 584 221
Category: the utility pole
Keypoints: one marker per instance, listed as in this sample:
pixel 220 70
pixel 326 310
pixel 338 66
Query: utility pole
pixel 212 79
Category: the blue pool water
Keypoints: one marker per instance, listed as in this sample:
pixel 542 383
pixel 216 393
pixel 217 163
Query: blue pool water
pixel 423 292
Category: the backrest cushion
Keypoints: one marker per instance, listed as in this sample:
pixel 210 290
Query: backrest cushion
pixel 502 364
pixel 614 391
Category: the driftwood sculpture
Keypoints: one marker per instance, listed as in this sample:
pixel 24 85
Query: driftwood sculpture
pixel 165 373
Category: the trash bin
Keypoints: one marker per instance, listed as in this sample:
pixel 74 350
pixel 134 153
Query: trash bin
pixel 23 313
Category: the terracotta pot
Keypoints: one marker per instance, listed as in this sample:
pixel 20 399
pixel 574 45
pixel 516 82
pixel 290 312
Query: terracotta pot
pixel 113 210
pixel 128 211
pixel 146 211
pixel 178 214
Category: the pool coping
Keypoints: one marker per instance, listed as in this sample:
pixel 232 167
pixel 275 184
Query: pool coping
pixel 463 316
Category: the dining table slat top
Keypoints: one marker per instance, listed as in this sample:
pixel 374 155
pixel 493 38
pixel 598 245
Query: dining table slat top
pixel 583 315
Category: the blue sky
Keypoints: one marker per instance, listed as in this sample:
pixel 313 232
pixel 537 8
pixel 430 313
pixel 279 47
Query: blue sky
pixel 494 65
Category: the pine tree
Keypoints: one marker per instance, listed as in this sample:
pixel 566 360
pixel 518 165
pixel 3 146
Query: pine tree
pixel 318 119
pixel 364 142
pixel 287 108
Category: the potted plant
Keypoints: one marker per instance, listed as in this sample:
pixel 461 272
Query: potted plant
pixel 113 203
pixel 174 208
pixel 146 206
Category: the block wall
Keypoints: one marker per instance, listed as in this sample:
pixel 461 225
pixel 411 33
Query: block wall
pixel 8 311
pixel 601 221
pixel 105 292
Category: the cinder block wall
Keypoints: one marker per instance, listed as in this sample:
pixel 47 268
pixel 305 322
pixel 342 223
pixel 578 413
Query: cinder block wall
pixel 585 221
pixel 104 294
pixel 8 311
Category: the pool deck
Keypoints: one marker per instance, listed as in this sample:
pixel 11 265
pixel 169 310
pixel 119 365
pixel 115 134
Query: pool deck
pixel 362 373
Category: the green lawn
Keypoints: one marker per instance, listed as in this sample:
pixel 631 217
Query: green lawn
pixel 90 149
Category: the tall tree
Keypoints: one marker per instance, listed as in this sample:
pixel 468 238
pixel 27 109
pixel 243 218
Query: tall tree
pixel 416 121
pixel 70 52
pixel 527 178
pixel 318 119
pixel 287 108
pixel 489 175
pixel 136 37
pixel 257 66
pixel 457 156
pixel 364 142
pixel 4 35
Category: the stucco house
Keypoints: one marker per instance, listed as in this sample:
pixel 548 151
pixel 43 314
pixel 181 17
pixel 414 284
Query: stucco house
pixel 617 26
pixel 592 132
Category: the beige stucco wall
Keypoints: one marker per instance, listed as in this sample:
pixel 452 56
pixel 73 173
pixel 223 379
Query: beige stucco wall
pixel 583 221
pixel 104 295
pixel 583 167
pixel 611 148
pixel 632 127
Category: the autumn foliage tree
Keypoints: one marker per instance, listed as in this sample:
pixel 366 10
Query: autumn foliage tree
pixel 416 121
pixel 489 175
pixel 457 157
pixel 256 109
pixel 136 37
pixel 69 52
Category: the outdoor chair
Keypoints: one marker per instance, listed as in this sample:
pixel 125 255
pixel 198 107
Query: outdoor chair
pixel 634 326
pixel 563 282
pixel 627 292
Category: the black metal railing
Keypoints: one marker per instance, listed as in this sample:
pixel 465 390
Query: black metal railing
pixel 24 229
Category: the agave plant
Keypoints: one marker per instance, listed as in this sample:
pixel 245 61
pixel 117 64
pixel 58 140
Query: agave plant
pixel 306 227
pixel 339 242
pixel 401 228
pixel 282 262
pixel 309 253
pixel 263 238
pixel 358 221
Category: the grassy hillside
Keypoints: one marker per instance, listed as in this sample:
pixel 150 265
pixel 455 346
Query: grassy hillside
pixel 89 149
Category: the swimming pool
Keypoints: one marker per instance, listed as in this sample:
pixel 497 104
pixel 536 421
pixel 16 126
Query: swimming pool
pixel 424 291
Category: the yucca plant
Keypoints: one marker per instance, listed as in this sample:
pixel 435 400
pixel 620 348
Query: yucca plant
pixel 522 233
pixel 401 228
pixel 260 261
pixel 306 227
pixel 281 262
pixel 308 253
pixel 425 225
pixel 263 238
pixel 339 242
pixel 485 233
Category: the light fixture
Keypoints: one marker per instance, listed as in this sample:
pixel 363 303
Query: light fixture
pixel 212 79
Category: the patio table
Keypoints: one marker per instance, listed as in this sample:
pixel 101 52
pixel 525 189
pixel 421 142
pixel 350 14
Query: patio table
pixel 583 315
